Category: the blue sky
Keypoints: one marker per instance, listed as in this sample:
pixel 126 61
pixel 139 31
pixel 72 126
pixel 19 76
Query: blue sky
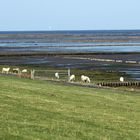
pixel 69 14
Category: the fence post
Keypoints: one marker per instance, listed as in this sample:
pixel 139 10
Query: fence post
pixel 68 75
pixel 32 74
pixel 19 74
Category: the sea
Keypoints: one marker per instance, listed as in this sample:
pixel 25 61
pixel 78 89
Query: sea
pixel 85 41
pixel 70 41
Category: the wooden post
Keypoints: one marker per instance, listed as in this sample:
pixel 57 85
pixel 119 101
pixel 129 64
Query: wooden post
pixel 19 74
pixel 32 74
pixel 68 75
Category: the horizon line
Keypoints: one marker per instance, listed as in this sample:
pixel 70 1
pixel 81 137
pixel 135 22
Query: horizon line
pixel 69 30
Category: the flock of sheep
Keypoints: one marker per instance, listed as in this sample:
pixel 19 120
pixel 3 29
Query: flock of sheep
pixel 84 78
pixel 14 70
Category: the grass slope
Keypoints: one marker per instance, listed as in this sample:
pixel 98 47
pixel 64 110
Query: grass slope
pixel 36 110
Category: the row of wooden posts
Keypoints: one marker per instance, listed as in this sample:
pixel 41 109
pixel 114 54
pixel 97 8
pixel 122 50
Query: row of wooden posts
pixel 118 84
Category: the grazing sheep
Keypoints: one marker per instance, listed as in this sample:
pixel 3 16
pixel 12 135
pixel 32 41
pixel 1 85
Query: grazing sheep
pixel 121 79
pixel 16 70
pixel 85 79
pixel 72 78
pixel 5 70
pixel 24 71
pixel 57 75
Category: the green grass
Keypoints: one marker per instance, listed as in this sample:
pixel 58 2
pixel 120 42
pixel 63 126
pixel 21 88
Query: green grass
pixel 36 110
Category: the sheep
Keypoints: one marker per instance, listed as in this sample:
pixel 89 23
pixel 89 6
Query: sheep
pixel 16 70
pixel 85 79
pixel 57 75
pixel 121 79
pixel 5 70
pixel 72 78
pixel 24 71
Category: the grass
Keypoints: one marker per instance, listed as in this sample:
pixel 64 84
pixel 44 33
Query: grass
pixel 40 110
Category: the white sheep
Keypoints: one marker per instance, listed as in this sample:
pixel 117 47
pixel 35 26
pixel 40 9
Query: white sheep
pixel 57 75
pixel 121 79
pixel 5 70
pixel 85 79
pixel 24 70
pixel 16 70
pixel 72 78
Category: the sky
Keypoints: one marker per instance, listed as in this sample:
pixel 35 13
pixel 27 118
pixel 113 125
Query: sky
pixel 69 14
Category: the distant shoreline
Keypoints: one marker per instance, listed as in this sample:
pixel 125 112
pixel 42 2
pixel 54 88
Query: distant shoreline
pixel 63 53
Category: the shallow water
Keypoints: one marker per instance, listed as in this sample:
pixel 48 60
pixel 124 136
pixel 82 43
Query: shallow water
pixel 70 42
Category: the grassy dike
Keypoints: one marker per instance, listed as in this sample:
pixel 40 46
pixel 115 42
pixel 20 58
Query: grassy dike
pixel 40 110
